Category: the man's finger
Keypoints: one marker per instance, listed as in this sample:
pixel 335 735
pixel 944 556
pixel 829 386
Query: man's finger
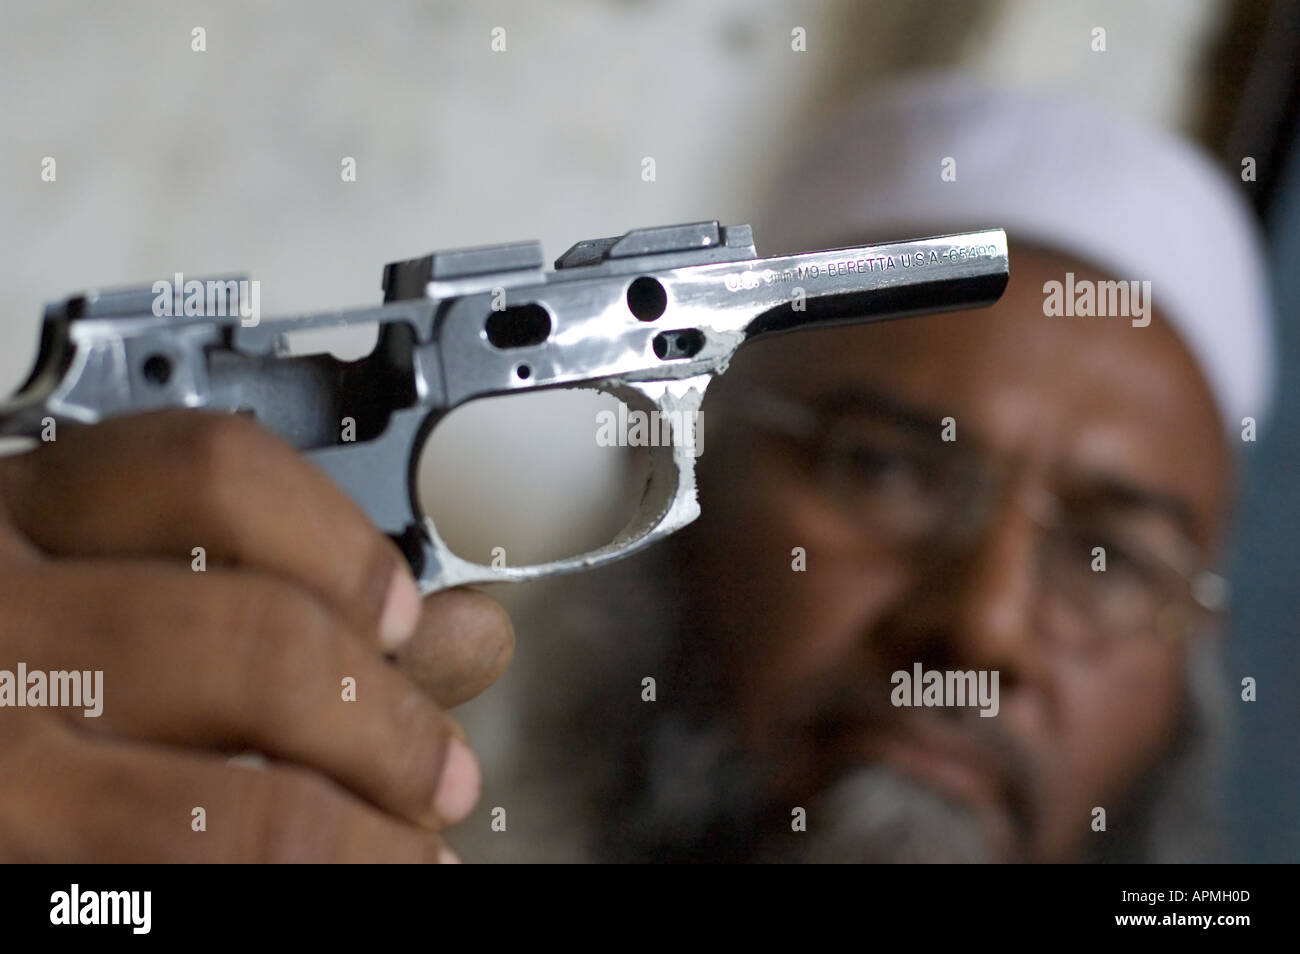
pixel 70 797
pixel 169 483
pixel 463 643
pixel 232 660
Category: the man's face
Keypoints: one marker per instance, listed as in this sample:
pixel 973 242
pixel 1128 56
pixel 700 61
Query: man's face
pixel 1104 434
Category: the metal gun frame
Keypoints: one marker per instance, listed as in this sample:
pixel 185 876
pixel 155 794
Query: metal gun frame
pixel 649 316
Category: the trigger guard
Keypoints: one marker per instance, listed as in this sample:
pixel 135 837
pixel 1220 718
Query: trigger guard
pixel 668 502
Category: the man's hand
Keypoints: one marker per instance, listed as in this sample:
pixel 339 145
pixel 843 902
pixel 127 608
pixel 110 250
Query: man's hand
pixel 300 594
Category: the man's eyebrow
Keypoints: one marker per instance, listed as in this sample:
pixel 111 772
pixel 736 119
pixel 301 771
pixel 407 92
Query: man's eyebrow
pixel 1106 488
pixel 1122 493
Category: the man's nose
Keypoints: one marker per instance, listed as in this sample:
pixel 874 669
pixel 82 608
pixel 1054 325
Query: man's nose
pixel 977 608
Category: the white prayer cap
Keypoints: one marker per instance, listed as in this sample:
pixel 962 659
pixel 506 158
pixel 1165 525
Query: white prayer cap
pixel 1133 202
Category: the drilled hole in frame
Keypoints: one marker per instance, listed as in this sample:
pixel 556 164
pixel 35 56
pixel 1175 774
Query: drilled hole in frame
pixel 670 345
pixel 646 298
pixel 519 326
pixel 157 369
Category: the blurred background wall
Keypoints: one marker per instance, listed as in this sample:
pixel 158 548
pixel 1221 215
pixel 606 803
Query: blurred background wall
pixel 229 159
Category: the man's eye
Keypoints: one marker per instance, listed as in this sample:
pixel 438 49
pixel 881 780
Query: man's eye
pixel 1124 562
pixel 870 461
pixel 884 469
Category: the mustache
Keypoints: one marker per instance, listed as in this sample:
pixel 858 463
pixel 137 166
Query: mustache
pixel 832 706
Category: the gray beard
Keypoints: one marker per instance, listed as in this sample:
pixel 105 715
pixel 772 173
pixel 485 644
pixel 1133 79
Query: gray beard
pixel 703 792
pixel 877 815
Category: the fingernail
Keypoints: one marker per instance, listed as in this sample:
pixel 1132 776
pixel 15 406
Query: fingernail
pixel 458 788
pixel 448 857
pixel 401 610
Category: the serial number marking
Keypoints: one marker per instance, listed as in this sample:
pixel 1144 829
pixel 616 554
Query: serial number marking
pixel 923 258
